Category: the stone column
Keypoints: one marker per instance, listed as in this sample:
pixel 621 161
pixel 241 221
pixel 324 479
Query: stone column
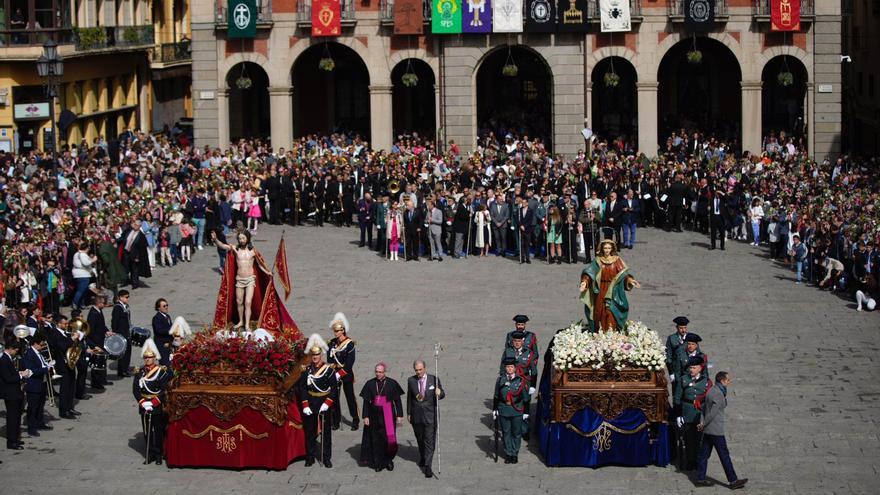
pixel 440 145
pixel 281 116
pixel 810 118
pixel 144 98
pixel 751 116
pixel 222 118
pixel 380 117
pixel 647 101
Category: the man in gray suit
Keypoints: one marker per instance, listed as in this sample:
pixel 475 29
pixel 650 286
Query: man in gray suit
pixel 712 426
pixel 435 229
pixel 423 392
pixel 500 215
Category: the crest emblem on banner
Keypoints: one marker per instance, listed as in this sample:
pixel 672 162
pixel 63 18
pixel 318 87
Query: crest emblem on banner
pixel 241 16
pixel 540 11
pixel 700 10
pixel 476 7
pixel 446 9
pixel 325 15
pixel 507 8
pixel 573 15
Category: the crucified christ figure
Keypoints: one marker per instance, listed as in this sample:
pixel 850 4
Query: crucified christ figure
pixel 245 277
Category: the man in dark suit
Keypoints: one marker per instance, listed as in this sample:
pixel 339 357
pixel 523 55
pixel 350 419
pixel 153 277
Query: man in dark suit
pixel 10 390
pixel 59 342
pixel 675 196
pixel 365 220
pixel 630 218
pixel 720 217
pixel 273 191
pixel 134 251
pixel 614 214
pixel 162 331
pixel 525 220
pixel 287 200
pixel 412 229
pixel 712 426
pixel 120 322
pixel 35 384
pixel 422 392
pixel 95 339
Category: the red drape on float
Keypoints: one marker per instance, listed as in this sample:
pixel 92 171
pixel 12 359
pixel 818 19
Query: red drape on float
pixel 248 440
pixel 326 18
pixel 785 15
pixel 281 268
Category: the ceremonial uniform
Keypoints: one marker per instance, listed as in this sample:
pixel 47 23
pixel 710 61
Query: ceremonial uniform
pixel 691 390
pixel 94 340
pixel 509 406
pixel 59 342
pixel 10 391
pixel 680 365
pixel 530 340
pixel 341 355
pixel 315 390
pixel 148 387
pixel 35 388
pixel 120 323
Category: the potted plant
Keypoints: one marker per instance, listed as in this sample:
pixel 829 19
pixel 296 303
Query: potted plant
pixel 510 70
pixel 410 79
pixel 612 80
pixel 243 82
pixel 785 79
pixel 130 35
pixel 327 64
pixel 91 37
pixel 695 56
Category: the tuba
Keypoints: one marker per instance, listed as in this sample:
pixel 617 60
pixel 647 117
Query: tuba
pixel 75 350
pixel 394 187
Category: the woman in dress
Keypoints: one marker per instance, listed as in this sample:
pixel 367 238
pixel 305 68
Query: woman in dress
pixel 554 235
pixel 484 235
pixel 604 283
pixel 254 212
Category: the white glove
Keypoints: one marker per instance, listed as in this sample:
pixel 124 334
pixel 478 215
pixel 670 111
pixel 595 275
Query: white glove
pixel 671 378
pixel 148 406
pixel 51 363
pixel 494 415
pixel 338 378
pixel 679 421
pixel 531 390
pixel 307 411
pixel 525 417
pixel 324 408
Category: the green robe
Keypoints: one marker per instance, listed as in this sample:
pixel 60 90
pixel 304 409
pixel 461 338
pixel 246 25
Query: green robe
pixel 114 273
pixel 618 304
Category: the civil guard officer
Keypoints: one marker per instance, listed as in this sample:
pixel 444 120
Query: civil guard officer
pixel 341 355
pixel 673 342
pixel 509 408
pixel 148 386
pixel 530 339
pixel 317 384
pixel 693 389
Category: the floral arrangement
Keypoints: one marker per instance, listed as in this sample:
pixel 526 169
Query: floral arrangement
pixel 510 70
pixel 785 79
pixel 206 352
pixel 327 64
pixel 695 57
pixel 409 79
pixel 611 80
pixel 637 347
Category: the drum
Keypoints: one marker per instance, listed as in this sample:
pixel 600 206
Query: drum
pixel 98 361
pixel 115 346
pixel 139 336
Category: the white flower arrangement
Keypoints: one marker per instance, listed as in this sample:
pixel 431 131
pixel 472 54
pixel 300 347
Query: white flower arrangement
pixel 636 347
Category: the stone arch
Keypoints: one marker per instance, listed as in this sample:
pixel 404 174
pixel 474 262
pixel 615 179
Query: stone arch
pixel 613 51
pixel 417 54
pixel 236 58
pixel 769 54
pixel 349 41
pixel 651 65
pixel 413 108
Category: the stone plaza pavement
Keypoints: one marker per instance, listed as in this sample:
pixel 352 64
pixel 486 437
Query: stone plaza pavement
pixel 802 414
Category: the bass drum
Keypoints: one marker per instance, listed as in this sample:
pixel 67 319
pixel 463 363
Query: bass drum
pixel 139 335
pixel 98 361
pixel 115 346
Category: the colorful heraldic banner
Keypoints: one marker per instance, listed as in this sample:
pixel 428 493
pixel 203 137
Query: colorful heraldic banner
pixel 785 15
pixel 476 16
pixel 408 18
pixel 446 17
pixel 572 16
pixel 507 16
pixel 699 15
pixel 540 16
pixel 326 18
pixel 242 19
pixel 615 16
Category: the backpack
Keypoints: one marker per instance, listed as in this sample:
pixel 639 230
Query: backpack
pixel 698 402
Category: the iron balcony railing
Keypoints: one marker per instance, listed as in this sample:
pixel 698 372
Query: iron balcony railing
pixel 386 10
pixel 100 37
pixel 172 52
pixel 762 8
pixel 676 8
pixel 221 17
pixel 347 13
pixel 635 9
pixel 35 37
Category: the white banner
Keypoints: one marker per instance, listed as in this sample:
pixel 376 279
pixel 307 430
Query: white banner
pixel 615 16
pixel 507 16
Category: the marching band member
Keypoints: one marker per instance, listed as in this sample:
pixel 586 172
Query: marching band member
pixel 316 386
pixel 95 339
pixel 341 356
pixel 59 342
pixel 120 322
pixel 35 384
pixel 148 387
pixel 10 390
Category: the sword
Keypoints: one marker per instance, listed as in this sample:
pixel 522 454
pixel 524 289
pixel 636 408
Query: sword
pixel 149 420
pixel 497 435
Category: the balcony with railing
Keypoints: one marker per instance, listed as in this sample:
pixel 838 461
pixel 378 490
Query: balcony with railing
pixel 761 10
pixel 264 14
pixel 172 54
pixel 348 15
pixel 386 11
pixel 635 10
pixel 113 37
pixel 10 38
pixel 675 10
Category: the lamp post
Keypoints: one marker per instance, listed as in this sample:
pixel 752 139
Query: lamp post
pixel 50 67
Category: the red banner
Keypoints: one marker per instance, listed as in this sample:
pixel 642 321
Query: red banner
pixel 785 15
pixel 326 18
pixel 408 17
pixel 281 268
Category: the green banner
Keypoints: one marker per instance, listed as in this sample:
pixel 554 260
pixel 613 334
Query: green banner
pixel 242 20
pixel 446 16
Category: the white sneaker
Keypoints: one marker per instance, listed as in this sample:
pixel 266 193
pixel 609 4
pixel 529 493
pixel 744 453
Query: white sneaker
pixel 201 248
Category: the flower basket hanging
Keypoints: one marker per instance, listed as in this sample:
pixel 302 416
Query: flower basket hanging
pixel 785 79
pixel 327 64
pixel 612 80
pixel 695 57
pixel 510 70
pixel 410 79
pixel 244 82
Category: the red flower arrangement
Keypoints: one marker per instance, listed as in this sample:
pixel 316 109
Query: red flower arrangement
pixel 206 352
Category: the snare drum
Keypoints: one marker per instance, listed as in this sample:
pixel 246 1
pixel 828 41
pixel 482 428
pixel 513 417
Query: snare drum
pixel 115 346
pixel 139 335
pixel 98 361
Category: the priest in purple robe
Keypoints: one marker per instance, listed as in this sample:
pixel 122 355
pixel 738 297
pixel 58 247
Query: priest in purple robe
pixel 382 412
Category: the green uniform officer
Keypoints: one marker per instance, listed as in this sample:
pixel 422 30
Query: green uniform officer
pixel 683 353
pixel 694 386
pixel 509 407
pixel 526 367
pixel 674 341
pixel 530 339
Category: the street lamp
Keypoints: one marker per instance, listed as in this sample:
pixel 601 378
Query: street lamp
pixel 50 67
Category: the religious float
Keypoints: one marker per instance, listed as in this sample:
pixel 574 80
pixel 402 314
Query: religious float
pixel 602 396
pixel 232 403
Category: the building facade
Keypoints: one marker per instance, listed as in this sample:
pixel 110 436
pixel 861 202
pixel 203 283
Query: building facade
pixel 862 76
pixel 274 86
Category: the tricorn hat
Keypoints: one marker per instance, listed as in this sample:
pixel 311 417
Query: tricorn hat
pixel 509 360
pixel 517 335
pixel 692 337
pixel 681 321
pixel 695 361
pixel 520 318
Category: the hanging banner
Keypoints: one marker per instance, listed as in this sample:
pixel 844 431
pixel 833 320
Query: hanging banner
pixel 408 17
pixel 476 16
pixel 615 16
pixel 326 18
pixel 572 16
pixel 507 16
pixel 785 15
pixel 242 19
pixel 446 16
pixel 699 15
pixel 540 16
